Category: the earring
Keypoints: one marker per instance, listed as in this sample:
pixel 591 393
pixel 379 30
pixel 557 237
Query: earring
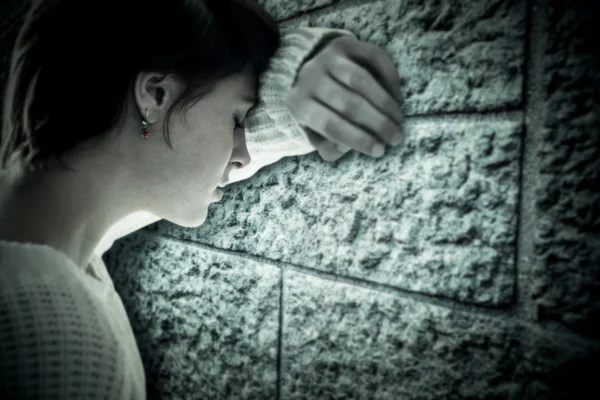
pixel 145 132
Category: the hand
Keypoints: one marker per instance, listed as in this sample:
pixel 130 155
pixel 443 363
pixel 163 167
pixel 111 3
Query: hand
pixel 340 100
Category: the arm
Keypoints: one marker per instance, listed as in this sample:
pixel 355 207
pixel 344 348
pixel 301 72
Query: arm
pixel 271 131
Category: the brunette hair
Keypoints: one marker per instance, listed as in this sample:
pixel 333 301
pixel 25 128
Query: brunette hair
pixel 74 62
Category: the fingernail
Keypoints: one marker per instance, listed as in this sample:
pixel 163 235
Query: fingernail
pixel 397 139
pixel 378 150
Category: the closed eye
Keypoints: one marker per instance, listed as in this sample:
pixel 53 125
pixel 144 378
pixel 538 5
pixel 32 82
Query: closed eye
pixel 238 125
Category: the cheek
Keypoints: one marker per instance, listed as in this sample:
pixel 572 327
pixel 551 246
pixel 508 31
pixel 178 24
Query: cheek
pixel 212 141
pixel 228 143
pixel 219 149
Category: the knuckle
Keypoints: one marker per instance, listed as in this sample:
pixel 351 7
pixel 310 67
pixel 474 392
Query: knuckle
pixel 330 126
pixel 382 124
pixel 323 90
pixel 353 78
pixel 341 41
pixel 356 77
pixel 351 106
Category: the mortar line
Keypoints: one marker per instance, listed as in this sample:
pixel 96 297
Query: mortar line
pixel 439 301
pixel 533 124
pixel 509 114
pixel 324 9
pixel 507 315
pixel 520 180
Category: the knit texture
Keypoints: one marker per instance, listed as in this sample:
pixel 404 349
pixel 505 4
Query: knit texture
pixel 64 332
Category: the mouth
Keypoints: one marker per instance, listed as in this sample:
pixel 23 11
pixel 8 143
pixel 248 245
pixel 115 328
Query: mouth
pixel 218 194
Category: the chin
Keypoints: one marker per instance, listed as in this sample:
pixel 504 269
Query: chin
pixel 193 220
pixel 196 222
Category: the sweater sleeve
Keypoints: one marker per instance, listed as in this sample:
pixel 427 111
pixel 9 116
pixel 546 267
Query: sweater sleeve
pixel 271 130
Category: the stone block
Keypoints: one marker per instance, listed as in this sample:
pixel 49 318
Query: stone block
pixel 341 341
pixel 566 274
pixel 206 324
pixel 453 56
pixel 436 215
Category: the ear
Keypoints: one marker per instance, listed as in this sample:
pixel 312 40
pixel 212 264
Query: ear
pixel 156 93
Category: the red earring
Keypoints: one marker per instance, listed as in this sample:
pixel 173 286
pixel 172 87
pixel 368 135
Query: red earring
pixel 145 132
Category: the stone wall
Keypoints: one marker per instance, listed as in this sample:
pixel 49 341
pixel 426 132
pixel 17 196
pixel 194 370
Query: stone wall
pixel 464 264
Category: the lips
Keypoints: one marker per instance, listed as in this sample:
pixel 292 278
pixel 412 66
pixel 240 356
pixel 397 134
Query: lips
pixel 222 184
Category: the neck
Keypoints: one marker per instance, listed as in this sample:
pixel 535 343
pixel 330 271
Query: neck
pixel 64 210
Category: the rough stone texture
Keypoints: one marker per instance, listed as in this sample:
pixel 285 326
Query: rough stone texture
pixel 345 342
pixel 284 9
pixel 206 324
pixel 453 56
pixel 437 215
pixel 567 273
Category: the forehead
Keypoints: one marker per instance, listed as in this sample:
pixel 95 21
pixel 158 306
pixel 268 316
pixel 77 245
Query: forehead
pixel 245 82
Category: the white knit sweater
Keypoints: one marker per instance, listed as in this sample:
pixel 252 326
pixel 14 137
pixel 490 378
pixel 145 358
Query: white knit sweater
pixel 64 333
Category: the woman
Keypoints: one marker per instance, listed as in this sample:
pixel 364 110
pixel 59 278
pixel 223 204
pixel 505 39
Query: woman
pixel 97 83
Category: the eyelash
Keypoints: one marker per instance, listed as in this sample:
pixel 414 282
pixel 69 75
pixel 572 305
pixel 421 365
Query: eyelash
pixel 237 125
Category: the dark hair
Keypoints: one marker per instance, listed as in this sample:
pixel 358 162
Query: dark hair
pixel 68 46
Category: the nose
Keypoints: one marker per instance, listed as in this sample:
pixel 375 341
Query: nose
pixel 240 157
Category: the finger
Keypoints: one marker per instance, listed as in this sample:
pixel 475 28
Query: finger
pixel 374 59
pixel 362 81
pixel 329 124
pixel 342 148
pixel 329 151
pixel 314 138
pixel 365 104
